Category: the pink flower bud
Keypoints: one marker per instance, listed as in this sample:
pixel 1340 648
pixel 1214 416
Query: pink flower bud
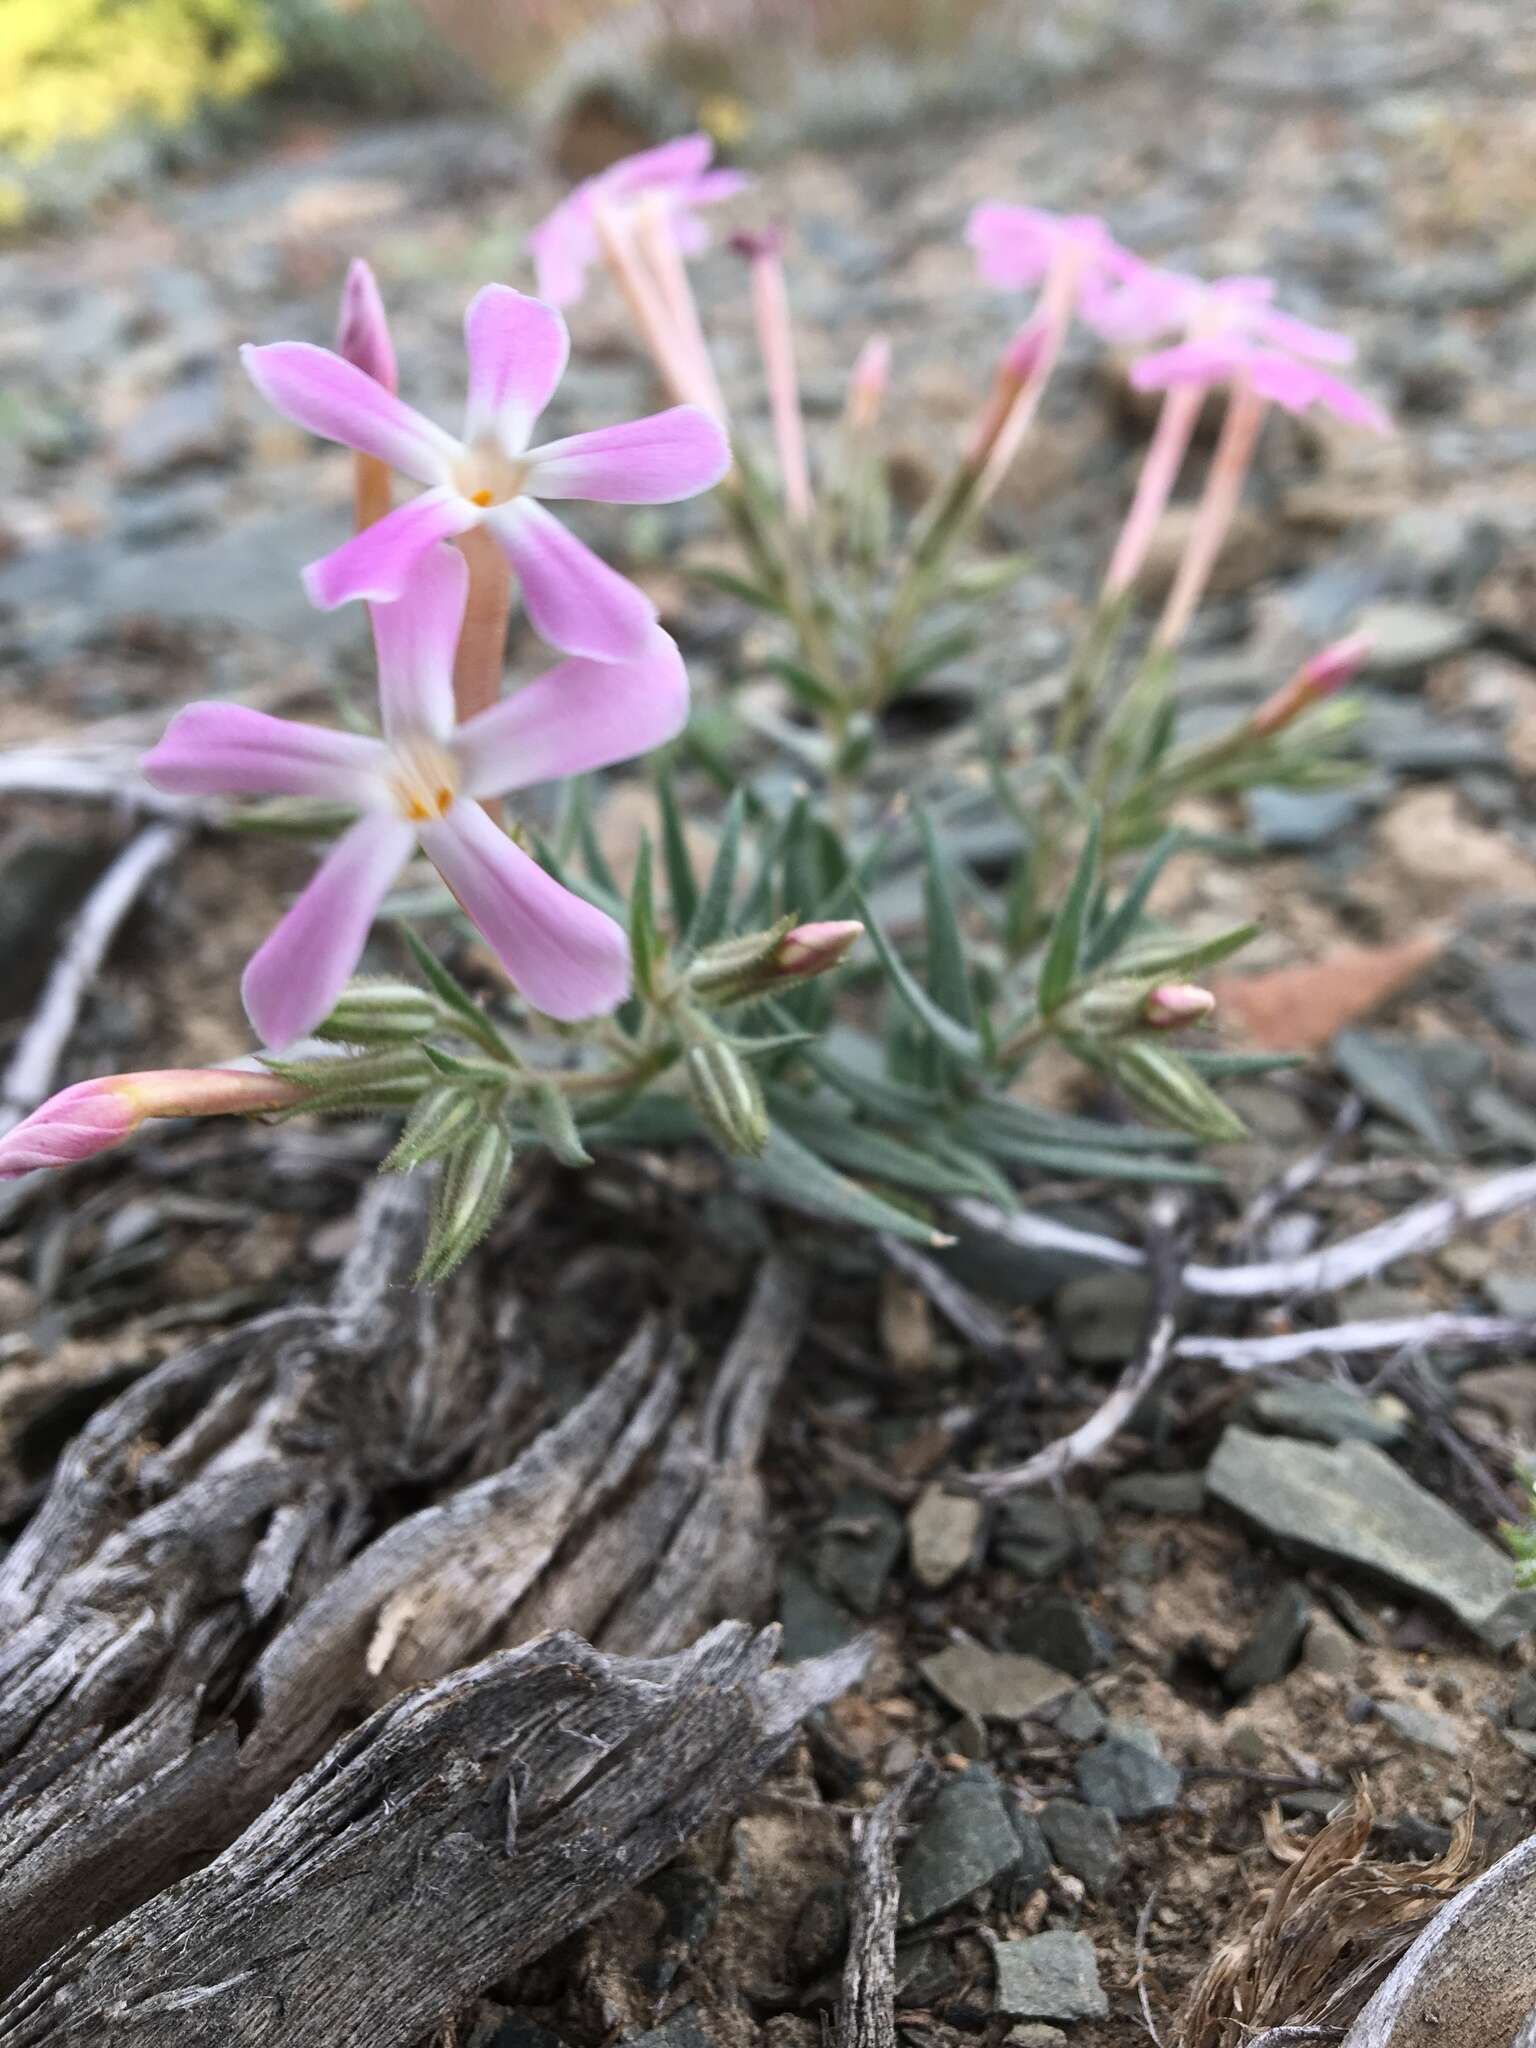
pixel 1338 664
pixel 1175 1004
pixel 93 1116
pixel 362 333
pixel 814 948
pixel 757 242
pixel 1020 361
pixel 867 384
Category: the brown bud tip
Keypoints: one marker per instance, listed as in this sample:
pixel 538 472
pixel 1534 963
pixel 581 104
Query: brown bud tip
pixel 1177 1003
pixel 755 243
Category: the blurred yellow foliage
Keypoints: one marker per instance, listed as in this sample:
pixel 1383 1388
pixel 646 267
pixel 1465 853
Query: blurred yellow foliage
pixel 74 69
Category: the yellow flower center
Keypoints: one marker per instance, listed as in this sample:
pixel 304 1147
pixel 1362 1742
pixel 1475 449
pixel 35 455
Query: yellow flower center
pixel 488 475
pixel 424 778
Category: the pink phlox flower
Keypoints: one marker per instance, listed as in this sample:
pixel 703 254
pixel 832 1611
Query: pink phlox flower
pixel 490 476
pixel 420 785
pixel 1145 303
pixel 1281 378
pixel 1017 245
pixel 676 176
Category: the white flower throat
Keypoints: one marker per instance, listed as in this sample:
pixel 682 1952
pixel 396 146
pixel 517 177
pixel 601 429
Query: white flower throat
pixel 423 777
pixel 487 475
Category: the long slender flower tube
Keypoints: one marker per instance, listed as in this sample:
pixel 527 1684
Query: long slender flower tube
pixel 868 382
pixel 1259 377
pixel 93 1116
pixel 677 178
pixel 776 346
pixel 1325 674
pixel 491 477
pixel 420 786
pixel 1142 303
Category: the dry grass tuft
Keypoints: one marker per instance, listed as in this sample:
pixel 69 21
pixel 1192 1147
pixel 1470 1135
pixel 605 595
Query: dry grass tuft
pixel 1329 1930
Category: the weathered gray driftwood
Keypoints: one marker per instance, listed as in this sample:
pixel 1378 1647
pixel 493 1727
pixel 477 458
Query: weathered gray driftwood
pixel 221 1581
pixel 454 1836
pixel 866 2007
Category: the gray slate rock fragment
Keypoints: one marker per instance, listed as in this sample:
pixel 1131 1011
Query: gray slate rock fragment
pixel 1049 1977
pixel 1079 1719
pixel 1032 2036
pixel 1063 1632
pixel 812 1623
pixel 1420 1727
pixel 1522 1708
pixel 857 1548
pixel 1274 1645
pixel 1294 820
pixel 1100 1316
pixel 1409 637
pixel 1331 1413
pixel 943 1530
pixel 1351 1503
pixel 1127 1773
pixel 1512 988
pixel 1034 1864
pixel 997 1685
pixel 1085 1841
pixel 1039 1538
pixel 1157 1493
pixel 967 1839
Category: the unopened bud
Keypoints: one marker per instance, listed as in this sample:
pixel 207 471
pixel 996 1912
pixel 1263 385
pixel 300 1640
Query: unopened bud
pixel 1316 679
pixel 868 383
pixel 439 1120
pixel 362 332
pixel 381 1013
pixel 93 1116
pixel 764 962
pixel 373 1080
pixel 726 1095
pixel 814 948
pixel 469 1194
pixel 757 243
pixel 1177 1003
pixel 1020 360
pixel 1169 1087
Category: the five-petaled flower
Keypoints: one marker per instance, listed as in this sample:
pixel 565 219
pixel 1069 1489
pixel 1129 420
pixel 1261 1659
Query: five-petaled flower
pixel 1267 372
pixel 677 177
pixel 1018 246
pixel 421 785
pixel 517 350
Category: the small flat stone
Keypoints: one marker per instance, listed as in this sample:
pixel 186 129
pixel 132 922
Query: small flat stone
pixel 1079 1719
pixel 1127 1773
pixel 1157 1493
pixel 1065 1634
pixel 1508 1391
pixel 1333 1414
pixel 1100 1316
pixel 997 1685
pixel 1294 820
pixel 1422 1728
pixel 681 2031
pixel 1512 988
pixel 1350 1502
pixel 1085 1841
pixel 1049 1977
pixel 1522 1741
pixel 1328 1648
pixel 1035 2036
pixel 1039 1538
pixel 1407 638
pixel 1522 1708
pixel 812 1623
pixel 1034 1864
pixel 1512 1294
pixel 517 2030
pixel 857 1548
pixel 943 1530
pixel 1275 1644
pixel 965 1840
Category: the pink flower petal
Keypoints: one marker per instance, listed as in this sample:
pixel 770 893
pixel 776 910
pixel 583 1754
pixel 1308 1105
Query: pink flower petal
pixel 684 157
pixel 75 1124
pixel 214 749
pixel 1016 245
pixel 1321 344
pixel 518 348
pixel 563 244
pixel 362 333
pixel 565 957
pixel 341 403
pixel 576 717
pixel 1300 385
pixel 654 461
pixel 712 188
pixel 293 980
pixel 575 601
pixel 379 562
pixel 416 639
pixel 1192 362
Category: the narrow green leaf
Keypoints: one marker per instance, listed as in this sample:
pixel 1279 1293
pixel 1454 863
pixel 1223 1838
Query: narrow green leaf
pixel 791 1173
pixel 1120 925
pixel 1064 948
pixel 878 1155
pixel 731 585
pixel 1232 1066
pixel 933 654
pixel 711 919
pixel 955 1038
pixel 949 981
pixel 1003 1120
pixel 548 1109
pixel 644 941
pixel 682 889
pixel 1183 956
pixel 1082 1162
pixel 804 684
pixel 449 991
